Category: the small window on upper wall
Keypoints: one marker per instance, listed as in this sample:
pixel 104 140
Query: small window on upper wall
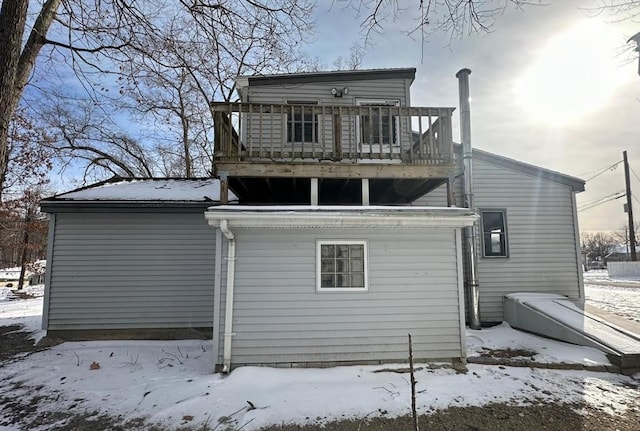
pixel 302 122
pixel 494 233
pixel 341 266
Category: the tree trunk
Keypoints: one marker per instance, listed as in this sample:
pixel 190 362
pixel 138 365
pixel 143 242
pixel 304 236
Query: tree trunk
pixel 24 255
pixel 13 18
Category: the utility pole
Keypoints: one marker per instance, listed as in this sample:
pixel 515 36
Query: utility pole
pixel 632 232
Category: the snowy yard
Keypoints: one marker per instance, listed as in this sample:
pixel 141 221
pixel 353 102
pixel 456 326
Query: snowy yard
pixel 171 382
pixel 622 297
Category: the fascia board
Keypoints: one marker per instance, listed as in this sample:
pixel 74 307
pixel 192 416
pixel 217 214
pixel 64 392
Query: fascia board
pixel 319 219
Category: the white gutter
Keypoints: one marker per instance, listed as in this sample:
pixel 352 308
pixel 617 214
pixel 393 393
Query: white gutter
pixel 228 314
pixel 363 217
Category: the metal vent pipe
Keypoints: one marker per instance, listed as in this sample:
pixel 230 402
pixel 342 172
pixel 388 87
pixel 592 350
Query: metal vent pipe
pixel 471 276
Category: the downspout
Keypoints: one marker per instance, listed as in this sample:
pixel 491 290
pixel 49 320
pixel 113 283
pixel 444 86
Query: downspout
pixel 228 314
pixel 471 231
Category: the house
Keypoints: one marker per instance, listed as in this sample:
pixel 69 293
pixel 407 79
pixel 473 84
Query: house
pixel 9 277
pixel 34 274
pixel 335 227
pixel 620 253
pixel 131 257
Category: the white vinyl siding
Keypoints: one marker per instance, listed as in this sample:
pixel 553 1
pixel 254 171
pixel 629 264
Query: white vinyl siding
pixel 542 256
pixel 131 270
pixel 280 317
pixel 541 235
pixel 263 129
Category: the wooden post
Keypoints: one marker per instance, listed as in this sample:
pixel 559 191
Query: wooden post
pixel 25 245
pixel 414 412
pixel 451 191
pixel 224 187
pixel 632 232
pixel 337 137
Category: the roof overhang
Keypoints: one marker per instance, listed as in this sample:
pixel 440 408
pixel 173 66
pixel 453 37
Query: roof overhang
pixel 340 216
pixel 108 206
pixel 332 76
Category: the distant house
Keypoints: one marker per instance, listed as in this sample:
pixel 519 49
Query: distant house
pixel 621 253
pixel 34 274
pixel 335 228
pixel 9 277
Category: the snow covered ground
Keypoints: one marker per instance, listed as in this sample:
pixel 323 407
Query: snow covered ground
pixel 171 382
pixel 621 297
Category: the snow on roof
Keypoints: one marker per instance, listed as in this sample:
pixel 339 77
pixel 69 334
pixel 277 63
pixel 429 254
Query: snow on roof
pixel 149 189
pixel 10 273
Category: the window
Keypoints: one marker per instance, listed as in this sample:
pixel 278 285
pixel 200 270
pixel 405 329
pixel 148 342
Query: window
pixel 302 122
pixel 377 125
pixel 494 233
pixel 342 266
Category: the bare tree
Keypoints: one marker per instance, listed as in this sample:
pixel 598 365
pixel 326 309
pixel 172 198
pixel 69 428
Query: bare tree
pixel 458 18
pixel 597 246
pixel 104 36
pixel 621 236
pixel 193 60
pixel 86 136
pixel 354 60
pixel 27 165
pixel 620 9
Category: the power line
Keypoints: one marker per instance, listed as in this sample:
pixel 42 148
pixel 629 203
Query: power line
pixel 596 200
pixel 600 171
pixel 605 199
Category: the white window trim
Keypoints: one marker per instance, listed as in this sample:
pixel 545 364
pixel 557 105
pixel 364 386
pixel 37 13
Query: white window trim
pixel 506 233
pixel 319 287
pixel 377 102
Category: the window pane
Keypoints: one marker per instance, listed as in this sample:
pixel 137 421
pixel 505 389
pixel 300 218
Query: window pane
pixel 356 250
pixel 494 233
pixel 342 265
pixel 328 280
pixel 328 265
pixel 302 127
pixel 342 280
pixel 496 241
pixel 328 250
pixel 376 121
pixel 342 251
pixel 357 280
pixel 357 265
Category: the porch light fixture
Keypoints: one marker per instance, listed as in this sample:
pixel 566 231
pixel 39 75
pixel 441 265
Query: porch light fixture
pixel 339 93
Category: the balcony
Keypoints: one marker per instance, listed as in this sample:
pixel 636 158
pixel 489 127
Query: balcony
pixel 395 146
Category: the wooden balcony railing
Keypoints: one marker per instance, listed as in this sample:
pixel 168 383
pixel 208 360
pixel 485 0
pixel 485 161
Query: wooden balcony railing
pixel 246 132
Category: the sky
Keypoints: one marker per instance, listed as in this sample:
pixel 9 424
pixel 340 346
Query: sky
pixel 553 85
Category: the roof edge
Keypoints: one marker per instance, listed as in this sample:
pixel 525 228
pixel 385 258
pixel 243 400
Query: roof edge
pixel 330 76
pixel 117 178
pixel 98 206
pixel 576 184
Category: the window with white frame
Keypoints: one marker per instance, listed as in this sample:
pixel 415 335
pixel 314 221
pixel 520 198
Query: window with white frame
pixel 494 233
pixel 342 265
pixel 302 122
pixel 377 124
